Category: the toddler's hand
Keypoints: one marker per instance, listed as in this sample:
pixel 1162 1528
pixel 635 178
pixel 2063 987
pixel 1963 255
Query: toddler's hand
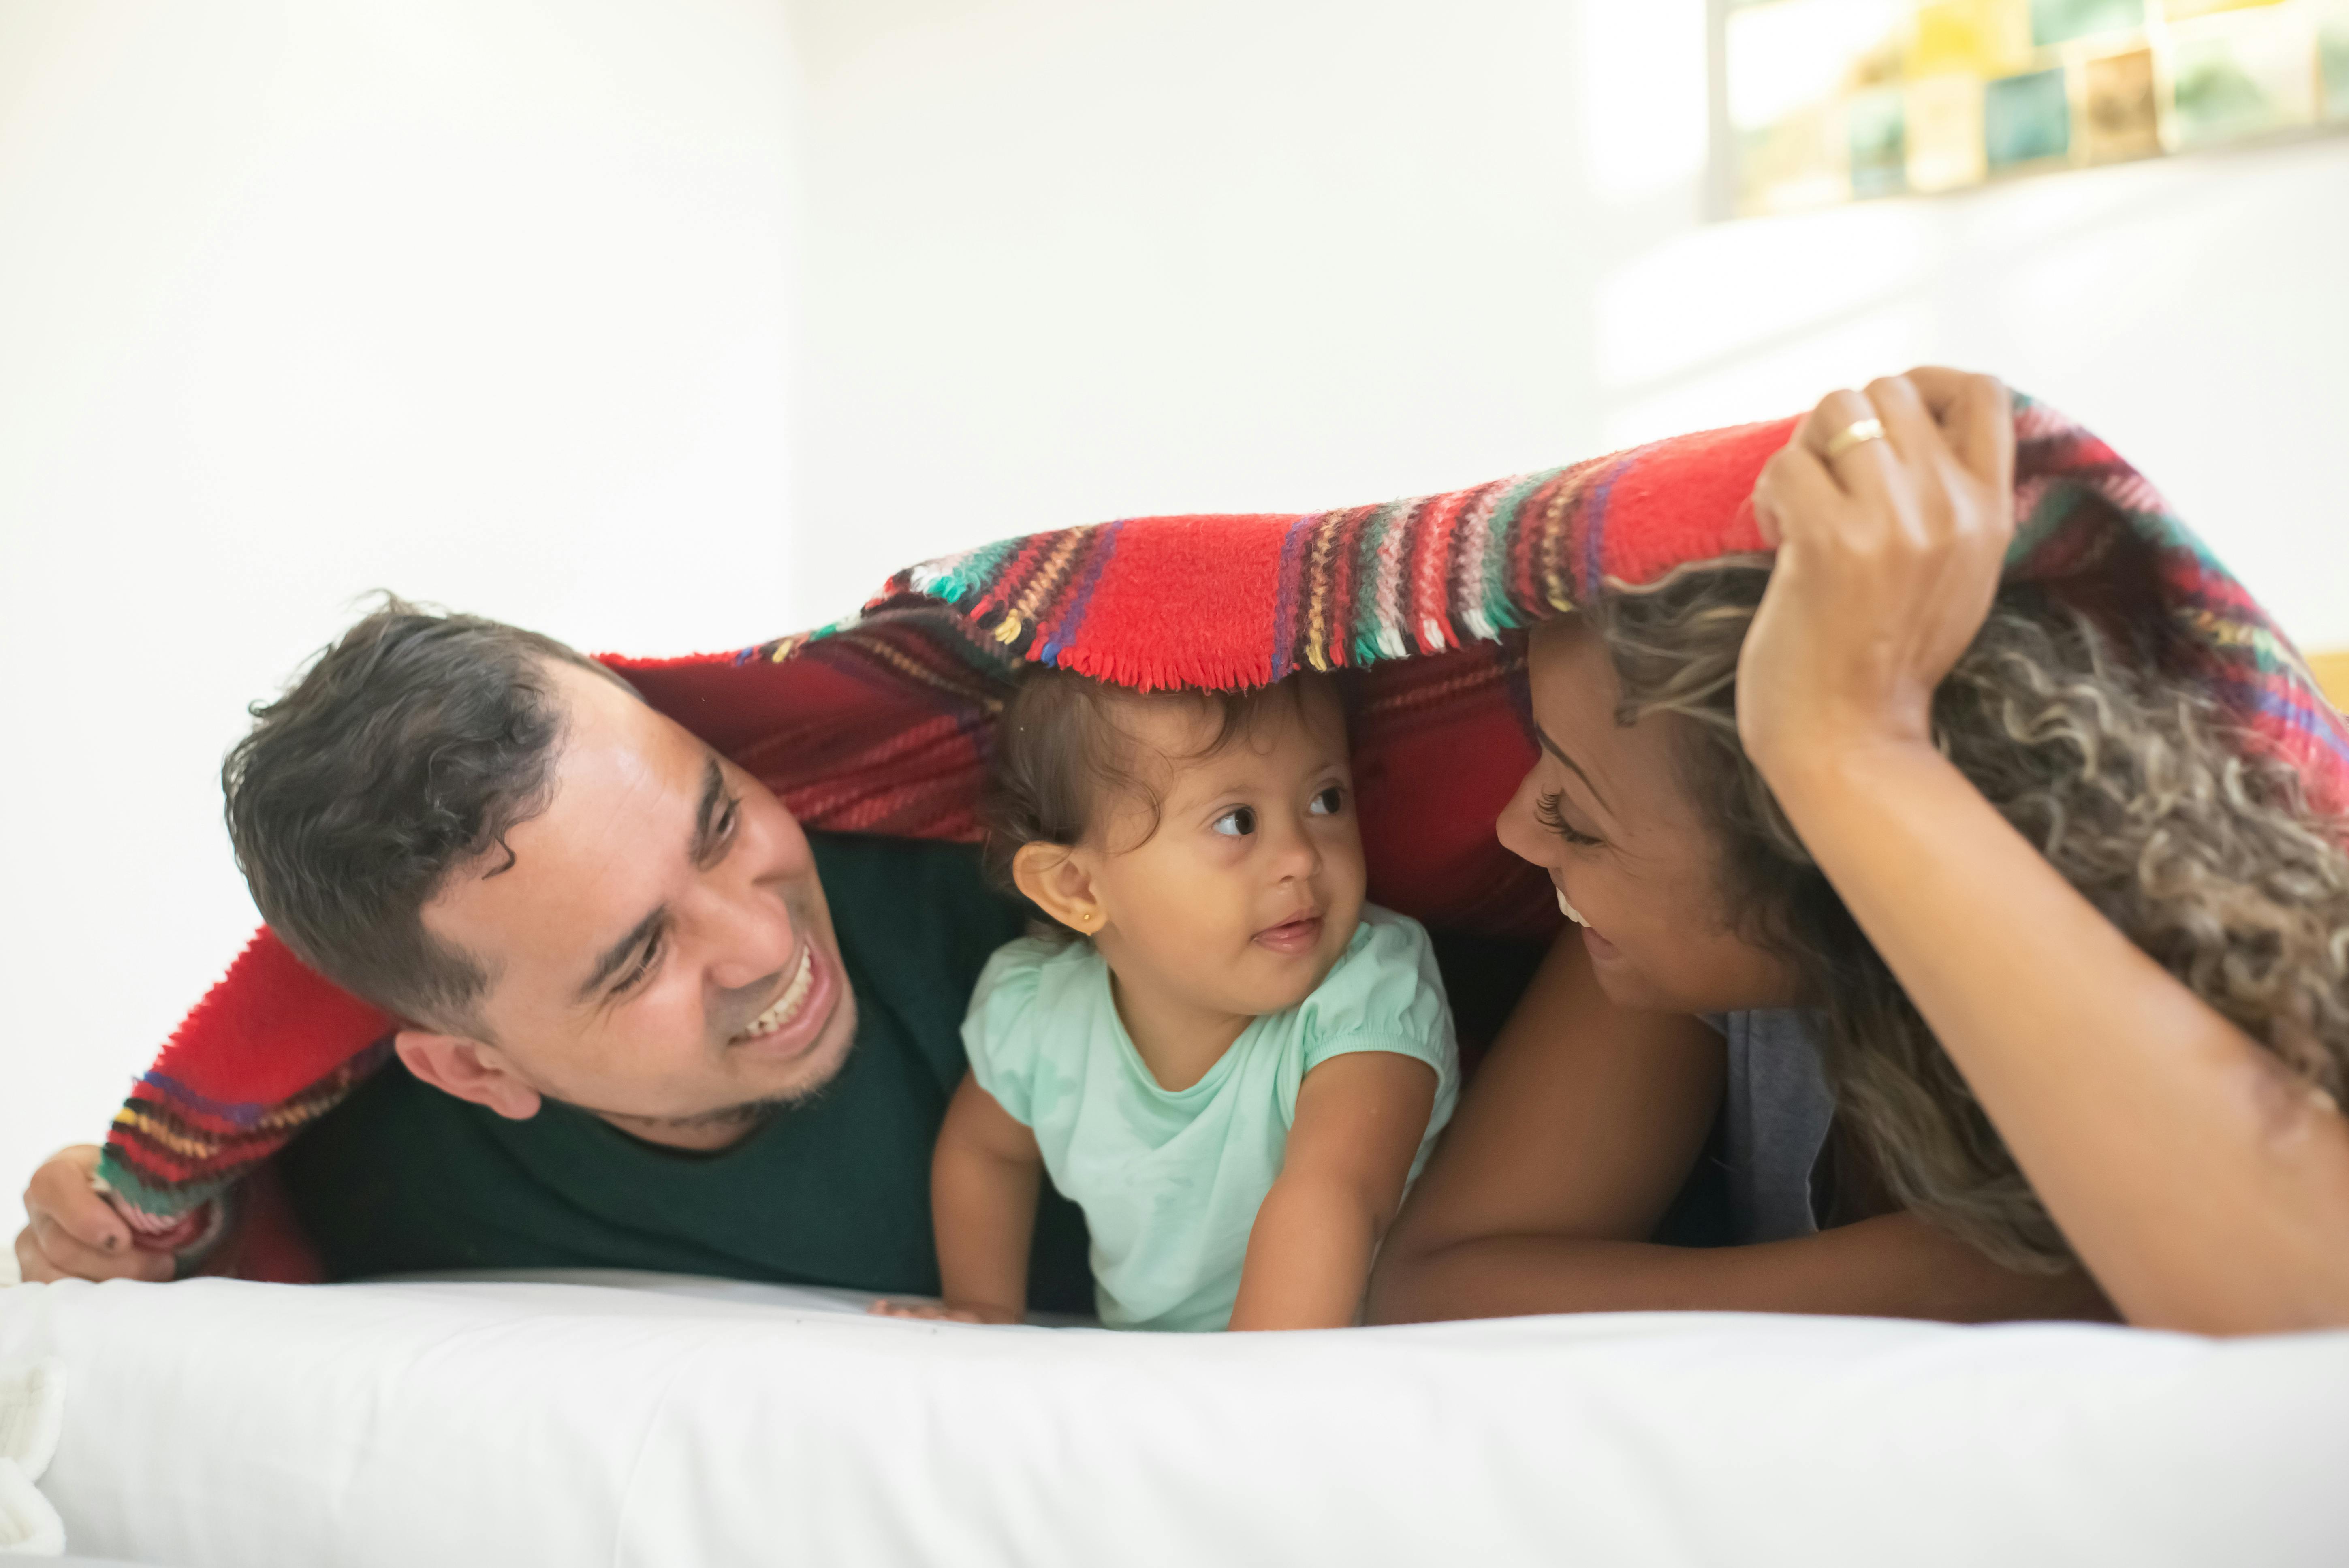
pixel 942 1312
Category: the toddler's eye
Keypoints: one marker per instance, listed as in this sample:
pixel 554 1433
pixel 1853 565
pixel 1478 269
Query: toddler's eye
pixel 1328 802
pixel 1236 823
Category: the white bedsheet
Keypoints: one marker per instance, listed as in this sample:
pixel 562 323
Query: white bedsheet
pixel 408 1424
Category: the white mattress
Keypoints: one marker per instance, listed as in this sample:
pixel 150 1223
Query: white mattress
pixel 406 1424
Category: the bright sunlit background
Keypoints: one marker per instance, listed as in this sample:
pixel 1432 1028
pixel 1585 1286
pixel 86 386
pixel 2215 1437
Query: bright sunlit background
pixel 667 324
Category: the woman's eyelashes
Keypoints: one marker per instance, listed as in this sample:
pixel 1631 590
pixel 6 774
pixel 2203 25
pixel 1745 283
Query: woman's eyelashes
pixel 1546 810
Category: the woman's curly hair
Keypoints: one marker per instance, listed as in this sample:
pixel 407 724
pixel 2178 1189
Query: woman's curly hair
pixel 2135 783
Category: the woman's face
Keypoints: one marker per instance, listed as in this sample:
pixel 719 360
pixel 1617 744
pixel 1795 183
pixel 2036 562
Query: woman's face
pixel 1606 812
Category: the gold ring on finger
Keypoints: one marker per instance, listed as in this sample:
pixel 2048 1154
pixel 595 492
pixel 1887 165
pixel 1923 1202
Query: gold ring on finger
pixel 1856 433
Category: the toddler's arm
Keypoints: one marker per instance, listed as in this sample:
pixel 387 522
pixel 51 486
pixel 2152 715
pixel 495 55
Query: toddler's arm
pixel 1360 1119
pixel 983 1178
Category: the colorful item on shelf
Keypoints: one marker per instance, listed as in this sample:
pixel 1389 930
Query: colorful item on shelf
pixel 1838 100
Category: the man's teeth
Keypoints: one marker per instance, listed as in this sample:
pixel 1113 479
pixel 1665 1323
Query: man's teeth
pixel 787 1005
pixel 1571 912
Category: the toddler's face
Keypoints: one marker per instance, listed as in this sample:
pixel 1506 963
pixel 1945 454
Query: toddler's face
pixel 1251 887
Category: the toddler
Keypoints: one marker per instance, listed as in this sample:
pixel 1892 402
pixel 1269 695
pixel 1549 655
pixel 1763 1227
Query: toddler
pixel 1225 1057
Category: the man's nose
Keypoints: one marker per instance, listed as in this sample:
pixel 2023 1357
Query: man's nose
pixel 750 935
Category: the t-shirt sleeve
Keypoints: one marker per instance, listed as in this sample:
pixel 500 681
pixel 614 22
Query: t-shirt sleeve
pixel 1001 1033
pixel 1385 994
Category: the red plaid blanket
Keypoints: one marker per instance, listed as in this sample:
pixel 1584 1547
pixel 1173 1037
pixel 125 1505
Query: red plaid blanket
pixel 879 724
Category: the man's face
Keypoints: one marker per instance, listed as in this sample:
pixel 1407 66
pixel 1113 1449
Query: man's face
pixel 659 950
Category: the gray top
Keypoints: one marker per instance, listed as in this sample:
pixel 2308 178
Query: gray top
pixel 1775 1116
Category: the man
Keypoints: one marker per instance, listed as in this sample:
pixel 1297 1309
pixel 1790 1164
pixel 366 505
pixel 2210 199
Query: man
pixel 649 1021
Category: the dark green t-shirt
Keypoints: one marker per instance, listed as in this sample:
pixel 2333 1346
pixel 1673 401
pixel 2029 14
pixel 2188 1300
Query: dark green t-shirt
pixel 833 1191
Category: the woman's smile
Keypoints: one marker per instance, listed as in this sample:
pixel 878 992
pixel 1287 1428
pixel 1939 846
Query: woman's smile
pixel 1601 950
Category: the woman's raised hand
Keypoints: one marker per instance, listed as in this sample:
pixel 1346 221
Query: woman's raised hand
pixel 1891 511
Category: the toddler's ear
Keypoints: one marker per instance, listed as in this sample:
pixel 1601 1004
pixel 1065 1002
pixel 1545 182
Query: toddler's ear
pixel 1056 880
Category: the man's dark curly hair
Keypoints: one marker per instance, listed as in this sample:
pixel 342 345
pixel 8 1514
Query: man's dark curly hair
pixel 410 748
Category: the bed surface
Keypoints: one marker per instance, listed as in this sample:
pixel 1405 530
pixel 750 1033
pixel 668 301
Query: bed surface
pixel 640 1420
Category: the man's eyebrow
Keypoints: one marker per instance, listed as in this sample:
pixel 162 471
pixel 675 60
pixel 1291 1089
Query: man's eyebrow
pixel 619 953
pixel 1554 749
pixel 705 815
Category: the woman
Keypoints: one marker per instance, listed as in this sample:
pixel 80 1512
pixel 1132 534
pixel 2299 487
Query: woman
pixel 1973 931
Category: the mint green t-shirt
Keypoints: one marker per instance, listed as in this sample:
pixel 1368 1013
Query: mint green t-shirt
pixel 1170 1181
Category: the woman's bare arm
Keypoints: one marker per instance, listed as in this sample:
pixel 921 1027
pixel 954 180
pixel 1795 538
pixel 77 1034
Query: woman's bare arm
pixel 1579 1131
pixel 1580 1127
pixel 2204 1188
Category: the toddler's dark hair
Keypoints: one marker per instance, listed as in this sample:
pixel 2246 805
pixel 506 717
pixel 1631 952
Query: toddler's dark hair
pixel 1059 752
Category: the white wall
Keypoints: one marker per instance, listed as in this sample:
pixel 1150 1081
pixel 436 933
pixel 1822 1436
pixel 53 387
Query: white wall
pixel 483 300
pixel 494 301
pixel 1069 260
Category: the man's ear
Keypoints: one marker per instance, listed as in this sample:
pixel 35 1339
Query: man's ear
pixel 1057 880
pixel 466 1069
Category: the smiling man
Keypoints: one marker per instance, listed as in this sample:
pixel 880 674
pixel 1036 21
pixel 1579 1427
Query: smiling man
pixel 650 1022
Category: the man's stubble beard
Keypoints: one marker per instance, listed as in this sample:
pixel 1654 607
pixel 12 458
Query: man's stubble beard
pixel 747 1115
